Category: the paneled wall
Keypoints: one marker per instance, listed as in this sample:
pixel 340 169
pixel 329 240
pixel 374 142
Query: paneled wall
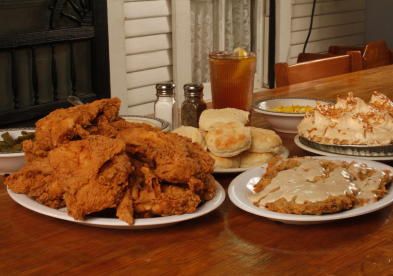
pixel 336 22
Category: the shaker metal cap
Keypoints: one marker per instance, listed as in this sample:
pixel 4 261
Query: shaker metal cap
pixel 165 88
pixel 193 89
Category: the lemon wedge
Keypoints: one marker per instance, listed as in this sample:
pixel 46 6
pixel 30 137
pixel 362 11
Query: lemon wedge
pixel 240 52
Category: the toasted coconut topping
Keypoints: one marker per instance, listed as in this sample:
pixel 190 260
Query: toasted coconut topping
pixel 350 121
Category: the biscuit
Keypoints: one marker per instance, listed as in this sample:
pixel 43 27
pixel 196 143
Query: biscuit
pixel 225 162
pixel 193 133
pixel 251 159
pixel 228 139
pixel 265 140
pixel 211 116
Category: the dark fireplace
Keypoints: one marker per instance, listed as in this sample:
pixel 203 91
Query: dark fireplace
pixel 50 49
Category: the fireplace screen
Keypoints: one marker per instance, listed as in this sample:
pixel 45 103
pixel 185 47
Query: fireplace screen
pixel 50 49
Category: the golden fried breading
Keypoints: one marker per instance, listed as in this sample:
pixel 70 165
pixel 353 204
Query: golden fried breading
pixel 94 174
pixel 63 125
pixel 36 180
pixel 152 198
pixel 174 158
pixel 172 200
pixel 125 209
pixel 86 176
pixel 328 206
pixel 210 188
pixel 111 129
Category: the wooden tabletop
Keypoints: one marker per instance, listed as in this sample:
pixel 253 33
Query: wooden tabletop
pixel 228 241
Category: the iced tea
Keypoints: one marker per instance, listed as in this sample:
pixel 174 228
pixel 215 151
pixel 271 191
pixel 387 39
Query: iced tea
pixel 232 79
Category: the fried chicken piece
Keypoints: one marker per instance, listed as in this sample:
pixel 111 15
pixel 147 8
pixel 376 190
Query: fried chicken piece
pixel 209 190
pixel 94 174
pixel 64 125
pixel 111 129
pixel 84 158
pixel 125 210
pixel 152 198
pixel 173 158
pixel 86 176
pixel 172 200
pixel 36 180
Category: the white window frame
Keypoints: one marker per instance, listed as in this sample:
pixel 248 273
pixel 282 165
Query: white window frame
pixel 181 37
pixel 283 30
pixel 181 46
pixel 117 57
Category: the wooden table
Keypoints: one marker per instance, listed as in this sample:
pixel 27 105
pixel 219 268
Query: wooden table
pixel 228 241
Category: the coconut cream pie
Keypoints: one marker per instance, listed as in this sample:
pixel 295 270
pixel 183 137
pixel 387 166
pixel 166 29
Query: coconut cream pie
pixel 351 121
pixel 312 186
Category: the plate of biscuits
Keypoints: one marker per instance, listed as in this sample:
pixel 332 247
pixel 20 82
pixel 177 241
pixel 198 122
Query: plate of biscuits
pixel 234 146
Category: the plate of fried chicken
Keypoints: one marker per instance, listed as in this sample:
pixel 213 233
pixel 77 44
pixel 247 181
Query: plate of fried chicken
pixel 86 159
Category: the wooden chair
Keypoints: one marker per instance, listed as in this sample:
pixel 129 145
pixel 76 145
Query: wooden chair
pixel 374 54
pixel 303 57
pixel 321 68
pixel 377 53
pixel 342 50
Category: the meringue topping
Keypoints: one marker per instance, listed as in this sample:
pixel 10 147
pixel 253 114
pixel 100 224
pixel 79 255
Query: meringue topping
pixel 351 121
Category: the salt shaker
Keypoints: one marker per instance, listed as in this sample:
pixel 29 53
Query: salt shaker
pixel 165 106
pixel 193 104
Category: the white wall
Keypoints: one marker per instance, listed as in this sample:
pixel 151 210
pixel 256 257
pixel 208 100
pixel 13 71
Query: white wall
pixel 336 22
pixel 379 20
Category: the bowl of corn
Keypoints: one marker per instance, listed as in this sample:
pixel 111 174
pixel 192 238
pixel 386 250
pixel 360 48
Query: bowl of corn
pixel 284 114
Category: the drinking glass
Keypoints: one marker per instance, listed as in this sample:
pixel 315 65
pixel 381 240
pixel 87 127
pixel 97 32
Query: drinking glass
pixel 232 78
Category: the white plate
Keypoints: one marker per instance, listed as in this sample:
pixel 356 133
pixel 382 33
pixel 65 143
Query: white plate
pixel 266 106
pixel 283 121
pixel 156 122
pixel 140 223
pixel 325 153
pixel 242 187
pixel 284 154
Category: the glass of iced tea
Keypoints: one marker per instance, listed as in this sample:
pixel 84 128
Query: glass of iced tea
pixel 232 78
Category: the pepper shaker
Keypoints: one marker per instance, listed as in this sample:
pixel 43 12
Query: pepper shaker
pixel 193 104
pixel 165 106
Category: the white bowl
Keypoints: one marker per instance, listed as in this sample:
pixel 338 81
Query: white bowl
pixel 11 162
pixel 283 121
pixel 156 122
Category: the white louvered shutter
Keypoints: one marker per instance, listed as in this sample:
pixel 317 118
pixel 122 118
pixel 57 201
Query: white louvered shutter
pixel 146 51
pixel 150 42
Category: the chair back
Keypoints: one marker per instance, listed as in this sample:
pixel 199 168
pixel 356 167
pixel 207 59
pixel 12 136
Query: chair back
pixel 376 54
pixel 342 50
pixel 303 57
pixel 316 69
